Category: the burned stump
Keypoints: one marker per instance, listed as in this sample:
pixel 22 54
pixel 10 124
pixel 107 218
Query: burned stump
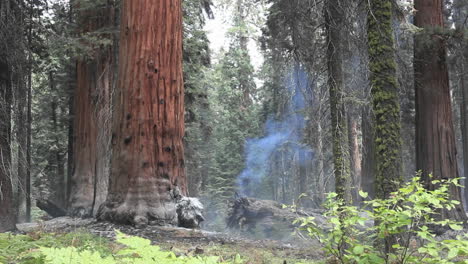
pixel 266 218
pixel 50 208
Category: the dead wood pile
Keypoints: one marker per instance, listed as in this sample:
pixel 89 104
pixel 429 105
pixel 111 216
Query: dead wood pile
pixel 266 218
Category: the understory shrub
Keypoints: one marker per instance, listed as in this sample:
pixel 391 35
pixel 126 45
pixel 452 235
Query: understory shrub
pixel 356 235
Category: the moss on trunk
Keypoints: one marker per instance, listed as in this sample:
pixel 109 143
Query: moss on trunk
pixel 382 65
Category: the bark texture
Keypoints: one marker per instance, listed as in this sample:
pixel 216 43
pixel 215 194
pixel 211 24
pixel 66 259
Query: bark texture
pixel 148 156
pixel 385 102
pixel 7 210
pixel 435 137
pixel 92 126
pixel 386 108
pixel 334 23
pixel 460 17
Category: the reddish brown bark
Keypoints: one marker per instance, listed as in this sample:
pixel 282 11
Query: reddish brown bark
pixel 92 126
pixel 148 154
pixel 435 139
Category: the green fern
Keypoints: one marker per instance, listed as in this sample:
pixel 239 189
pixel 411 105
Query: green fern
pixel 137 251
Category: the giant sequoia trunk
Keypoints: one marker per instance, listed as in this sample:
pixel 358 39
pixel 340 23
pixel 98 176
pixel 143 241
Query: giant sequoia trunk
pixel 148 157
pixel 92 127
pixel 7 210
pixel 435 137
pixel 334 22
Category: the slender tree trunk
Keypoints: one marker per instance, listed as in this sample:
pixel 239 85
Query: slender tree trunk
pixel 240 22
pixel 355 156
pixel 29 117
pixel 56 179
pixel 22 150
pixel 92 127
pixel 435 137
pixel 148 156
pixel 71 70
pixel 385 101
pixel 7 210
pixel 368 153
pixel 334 23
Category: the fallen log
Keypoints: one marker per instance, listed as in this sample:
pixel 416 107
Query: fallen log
pixel 50 208
pixel 266 218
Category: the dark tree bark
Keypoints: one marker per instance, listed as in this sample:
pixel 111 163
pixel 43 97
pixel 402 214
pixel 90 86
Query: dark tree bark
pixel 7 209
pixel 435 137
pixel 71 70
pixel 368 153
pixel 148 156
pixel 56 159
pixel 29 118
pixel 334 15
pixel 92 110
pixel 21 133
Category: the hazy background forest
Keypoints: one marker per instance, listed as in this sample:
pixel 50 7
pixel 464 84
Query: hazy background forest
pixel 262 118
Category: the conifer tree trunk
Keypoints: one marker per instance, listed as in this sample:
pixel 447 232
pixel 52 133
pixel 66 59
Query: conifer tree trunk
pixel 460 17
pixel 148 155
pixel 435 137
pixel 334 23
pixel 92 127
pixel 354 153
pixel 29 117
pixel 57 178
pixel 21 126
pixel 7 210
pixel 368 153
pixel 385 102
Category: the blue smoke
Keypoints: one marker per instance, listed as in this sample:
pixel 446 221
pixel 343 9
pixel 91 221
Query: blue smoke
pixel 285 133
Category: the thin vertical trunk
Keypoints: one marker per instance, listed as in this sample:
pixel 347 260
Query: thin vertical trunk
pixel 368 153
pixel 7 210
pixel 56 179
pixel 241 25
pixel 148 156
pixel 29 118
pixel 435 137
pixel 355 156
pixel 321 187
pixel 71 84
pixel 22 149
pixel 334 23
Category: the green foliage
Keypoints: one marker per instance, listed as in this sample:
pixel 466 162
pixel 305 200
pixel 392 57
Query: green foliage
pixel 84 249
pixel 409 214
pixel 22 248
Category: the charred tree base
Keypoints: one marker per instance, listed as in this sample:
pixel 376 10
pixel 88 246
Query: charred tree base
pixel 179 211
pixel 266 218
pixel 50 208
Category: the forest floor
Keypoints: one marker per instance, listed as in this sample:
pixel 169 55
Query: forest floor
pixel 190 241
